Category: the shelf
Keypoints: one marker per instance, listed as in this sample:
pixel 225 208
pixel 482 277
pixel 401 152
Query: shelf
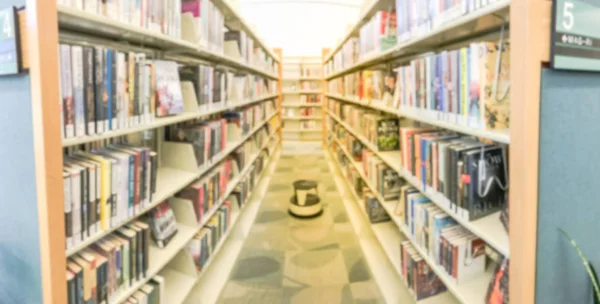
pixel 488 228
pixel 177 285
pixel 168 182
pixel 303 92
pixel 501 136
pixel 235 21
pixel 389 238
pixel 302 118
pixel 159 122
pixel 159 258
pixel 472 291
pixel 101 26
pixel 302 105
pixel 474 24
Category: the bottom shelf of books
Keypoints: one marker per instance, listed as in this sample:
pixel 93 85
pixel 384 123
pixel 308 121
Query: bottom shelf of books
pixel 388 238
pixel 411 244
pixel 162 258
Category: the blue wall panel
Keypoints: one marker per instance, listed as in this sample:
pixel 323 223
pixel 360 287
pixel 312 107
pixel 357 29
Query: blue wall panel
pixel 569 185
pixel 20 276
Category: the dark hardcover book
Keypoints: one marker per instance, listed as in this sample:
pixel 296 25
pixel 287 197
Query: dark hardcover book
pixel 102 280
pixel 108 88
pixel 153 173
pixel 375 211
pixel 162 223
pixel 427 283
pixel 486 179
pixel 131 237
pixel 68 209
pixel 145 230
pixel 100 94
pixel 497 292
pixel 78 273
pixel 85 203
pixel 391 184
pixel 194 193
pixel 71 288
pixel 454 157
pixel 139 252
pixel 114 91
pixel 88 90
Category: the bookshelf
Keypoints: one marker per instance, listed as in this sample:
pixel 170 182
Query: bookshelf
pixel 489 21
pixel 50 25
pixel 302 97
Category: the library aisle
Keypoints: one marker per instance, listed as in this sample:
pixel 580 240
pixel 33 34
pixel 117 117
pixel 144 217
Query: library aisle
pixel 290 260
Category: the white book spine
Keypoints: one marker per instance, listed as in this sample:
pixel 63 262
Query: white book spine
pixel 67 90
pixel 76 205
pixel 92 195
pixel 124 188
pixel 78 100
pixel 68 208
pixel 146 96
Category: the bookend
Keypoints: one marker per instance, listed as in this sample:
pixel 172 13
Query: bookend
pixel 184 211
pixel 190 100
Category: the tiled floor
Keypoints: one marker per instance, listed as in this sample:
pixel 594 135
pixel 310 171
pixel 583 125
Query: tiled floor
pixel 289 260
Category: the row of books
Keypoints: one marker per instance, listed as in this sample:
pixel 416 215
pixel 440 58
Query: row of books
pixel 469 86
pixel 418 276
pixel 249 52
pixel 105 187
pixel 160 16
pixel 209 23
pixel 207 192
pixel 109 266
pixel 205 242
pixel 309 85
pixel 419 17
pixel 218 87
pixel 409 19
pixel 151 293
pixel 381 130
pixel 210 138
pixel 469 176
pixel 458 251
pixel 103 89
pixel 377 35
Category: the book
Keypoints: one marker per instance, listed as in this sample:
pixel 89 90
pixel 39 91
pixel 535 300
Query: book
pixel 375 211
pixel 162 222
pixel 88 90
pixel 168 89
pixel 68 104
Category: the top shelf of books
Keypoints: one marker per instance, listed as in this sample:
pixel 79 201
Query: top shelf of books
pixel 443 28
pixel 176 40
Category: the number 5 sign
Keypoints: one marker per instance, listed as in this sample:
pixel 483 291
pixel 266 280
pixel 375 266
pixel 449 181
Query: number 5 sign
pixel 10 61
pixel 575 35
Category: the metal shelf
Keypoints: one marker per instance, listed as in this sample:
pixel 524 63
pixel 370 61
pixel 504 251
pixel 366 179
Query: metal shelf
pixel 501 136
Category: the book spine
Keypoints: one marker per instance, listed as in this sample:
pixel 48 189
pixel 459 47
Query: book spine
pixel 114 113
pixel 97 202
pixel 145 102
pixel 108 89
pixel 121 94
pixel 92 199
pixel 152 102
pixel 67 91
pixel 99 90
pixel 76 206
pixel 85 204
pixel 131 85
pixel 88 90
pixel 131 188
pixel 68 205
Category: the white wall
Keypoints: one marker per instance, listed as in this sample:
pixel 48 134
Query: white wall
pixel 300 27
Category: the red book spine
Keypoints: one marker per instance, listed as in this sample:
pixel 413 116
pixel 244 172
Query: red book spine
pixel 200 203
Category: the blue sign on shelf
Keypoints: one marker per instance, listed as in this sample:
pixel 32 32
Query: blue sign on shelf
pixel 10 62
